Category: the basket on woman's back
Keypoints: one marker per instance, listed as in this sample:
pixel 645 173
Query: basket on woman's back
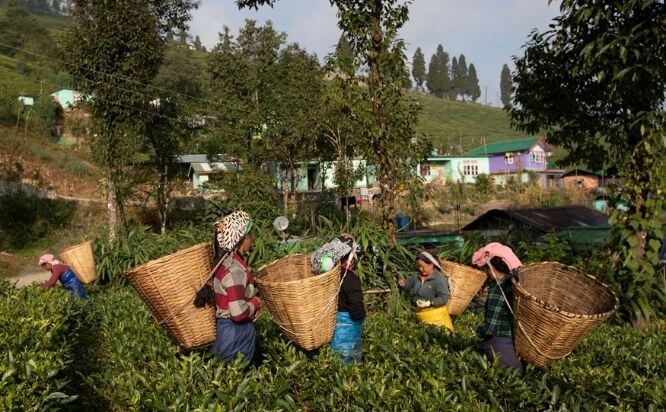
pixel 168 286
pixel 464 283
pixel 303 304
pixel 556 306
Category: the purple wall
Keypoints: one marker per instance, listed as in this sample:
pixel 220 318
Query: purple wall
pixel 498 164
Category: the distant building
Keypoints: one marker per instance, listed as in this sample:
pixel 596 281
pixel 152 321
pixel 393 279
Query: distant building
pixel 581 226
pixel 67 98
pixel 199 169
pixel 447 169
pixel 515 155
pixel 512 159
pixel 27 100
pixel 589 180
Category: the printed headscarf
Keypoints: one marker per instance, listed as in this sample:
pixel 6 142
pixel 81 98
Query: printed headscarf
pixel 336 249
pixel 428 258
pixel 48 258
pixel 231 229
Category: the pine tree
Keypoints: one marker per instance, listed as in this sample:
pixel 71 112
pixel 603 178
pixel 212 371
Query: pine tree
pixel 461 77
pixel 505 86
pixel 344 54
pixel 197 43
pixel 438 80
pixel 453 91
pixel 418 68
pixel 473 89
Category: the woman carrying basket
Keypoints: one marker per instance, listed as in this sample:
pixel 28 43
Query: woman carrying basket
pixel 430 292
pixel 64 274
pixel 351 308
pixel 237 307
pixel 500 264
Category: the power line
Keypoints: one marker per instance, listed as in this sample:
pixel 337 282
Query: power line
pixel 123 105
pixel 103 73
pixel 110 101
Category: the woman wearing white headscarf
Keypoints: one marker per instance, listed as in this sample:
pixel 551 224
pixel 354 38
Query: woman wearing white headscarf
pixel 430 291
pixel 237 307
pixel 64 274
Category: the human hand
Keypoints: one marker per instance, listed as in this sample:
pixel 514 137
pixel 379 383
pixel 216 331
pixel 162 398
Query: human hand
pixel 401 283
pixel 422 303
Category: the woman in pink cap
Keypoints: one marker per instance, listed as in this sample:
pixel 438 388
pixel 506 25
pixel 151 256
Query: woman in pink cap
pixel 496 331
pixel 64 274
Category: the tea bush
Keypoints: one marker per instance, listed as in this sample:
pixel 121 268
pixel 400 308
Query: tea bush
pixel 125 361
pixel 36 341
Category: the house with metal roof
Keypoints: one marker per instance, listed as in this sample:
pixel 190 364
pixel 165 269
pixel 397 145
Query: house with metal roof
pixel 200 172
pixel 581 226
pixel 445 169
pixel 512 159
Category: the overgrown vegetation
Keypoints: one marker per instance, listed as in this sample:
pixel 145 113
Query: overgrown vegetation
pixel 27 218
pixel 124 360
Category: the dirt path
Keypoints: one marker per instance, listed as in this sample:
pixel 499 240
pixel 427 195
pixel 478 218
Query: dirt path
pixel 29 275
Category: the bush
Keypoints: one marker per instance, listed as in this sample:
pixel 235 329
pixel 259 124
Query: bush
pixel 138 245
pixel 133 365
pixel 36 342
pixel 27 219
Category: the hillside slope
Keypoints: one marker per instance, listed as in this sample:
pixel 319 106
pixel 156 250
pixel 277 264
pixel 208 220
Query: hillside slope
pixel 452 124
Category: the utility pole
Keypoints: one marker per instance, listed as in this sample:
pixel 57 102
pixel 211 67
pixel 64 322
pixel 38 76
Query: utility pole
pixel 485 98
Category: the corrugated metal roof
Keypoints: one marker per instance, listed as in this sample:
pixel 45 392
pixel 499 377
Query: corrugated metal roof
pixel 542 219
pixel 503 147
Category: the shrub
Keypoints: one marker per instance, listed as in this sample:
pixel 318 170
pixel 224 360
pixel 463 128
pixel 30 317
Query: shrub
pixel 138 245
pixel 26 219
pixel 36 340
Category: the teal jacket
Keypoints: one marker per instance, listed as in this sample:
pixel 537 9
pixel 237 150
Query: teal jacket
pixel 434 289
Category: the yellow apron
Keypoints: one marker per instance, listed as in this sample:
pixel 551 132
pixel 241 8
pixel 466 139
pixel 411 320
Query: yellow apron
pixel 434 316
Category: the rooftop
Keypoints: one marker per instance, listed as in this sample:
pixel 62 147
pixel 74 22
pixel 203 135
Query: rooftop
pixel 515 145
pixel 541 219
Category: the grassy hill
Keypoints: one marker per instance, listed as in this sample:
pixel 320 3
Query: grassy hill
pixel 451 124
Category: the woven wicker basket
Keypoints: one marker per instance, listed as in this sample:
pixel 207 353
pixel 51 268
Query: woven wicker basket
pixel 556 306
pixel 465 282
pixel 302 304
pixel 168 285
pixel 81 259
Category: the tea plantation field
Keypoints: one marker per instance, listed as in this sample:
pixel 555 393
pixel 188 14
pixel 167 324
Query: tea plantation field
pixel 108 354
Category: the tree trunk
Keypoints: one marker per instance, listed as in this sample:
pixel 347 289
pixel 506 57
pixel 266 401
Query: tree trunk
pixel 285 194
pixel 111 208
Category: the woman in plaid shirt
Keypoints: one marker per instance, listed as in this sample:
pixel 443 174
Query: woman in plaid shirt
pixel 237 306
pixel 497 328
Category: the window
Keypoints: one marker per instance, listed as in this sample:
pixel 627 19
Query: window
pixel 508 158
pixel 425 169
pixel 470 168
pixel 538 157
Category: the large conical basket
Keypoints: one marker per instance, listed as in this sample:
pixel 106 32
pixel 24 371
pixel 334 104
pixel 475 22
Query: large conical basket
pixel 81 259
pixel 464 283
pixel 303 304
pixel 556 307
pixel 168 286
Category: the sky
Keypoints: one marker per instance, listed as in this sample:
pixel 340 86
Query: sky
pixel 488 32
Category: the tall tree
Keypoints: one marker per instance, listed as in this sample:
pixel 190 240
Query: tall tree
pixel 344 55
pixel 392 145
pixel 473 89
pixel 506 85
pixel 595 82
pixel 197 43
pixel 267 90
pixel 418 68
pixel 453 92
pixel 460 80
pixel 117 73
pixel 438 80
